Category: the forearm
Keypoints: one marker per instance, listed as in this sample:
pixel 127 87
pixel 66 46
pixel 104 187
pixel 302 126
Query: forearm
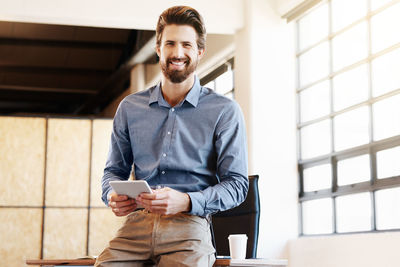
pixel 227 194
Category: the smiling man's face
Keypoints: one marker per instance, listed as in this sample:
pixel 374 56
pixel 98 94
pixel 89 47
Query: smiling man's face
pixel 178 52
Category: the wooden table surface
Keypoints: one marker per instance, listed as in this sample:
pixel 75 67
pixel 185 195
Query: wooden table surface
pixel 71 262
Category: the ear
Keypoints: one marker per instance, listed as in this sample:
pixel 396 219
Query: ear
pixel 158 51
pixel 201 52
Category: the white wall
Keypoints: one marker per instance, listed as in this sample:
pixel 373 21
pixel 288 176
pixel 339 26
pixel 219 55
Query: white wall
pixel 359 250
pixel 125 14
pixel 264 87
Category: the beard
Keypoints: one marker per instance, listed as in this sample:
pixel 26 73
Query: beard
pixel 178 76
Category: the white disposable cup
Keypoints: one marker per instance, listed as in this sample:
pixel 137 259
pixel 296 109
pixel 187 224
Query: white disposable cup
pixel 237 246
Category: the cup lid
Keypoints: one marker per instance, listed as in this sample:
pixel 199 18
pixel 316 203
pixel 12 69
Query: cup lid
pixel 237 236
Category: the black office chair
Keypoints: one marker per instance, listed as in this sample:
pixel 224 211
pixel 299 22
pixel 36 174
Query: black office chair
pixel 243 219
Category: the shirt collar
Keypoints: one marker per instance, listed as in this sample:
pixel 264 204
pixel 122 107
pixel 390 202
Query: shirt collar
pixel 155 93
pixel 192 97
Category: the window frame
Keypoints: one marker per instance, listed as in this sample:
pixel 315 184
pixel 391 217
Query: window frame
pixel 218 71
pixel 332 158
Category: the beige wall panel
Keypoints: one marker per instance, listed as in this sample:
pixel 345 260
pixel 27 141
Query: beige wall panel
pixel 65 233
pixel 22 149
pixel 100 144
pixel 103 227
pixel 68 153
pixel 20 232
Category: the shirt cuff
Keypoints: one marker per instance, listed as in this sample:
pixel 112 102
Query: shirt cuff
pixel 198 203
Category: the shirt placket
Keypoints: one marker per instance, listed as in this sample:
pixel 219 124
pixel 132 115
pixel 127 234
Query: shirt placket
pixel 166 147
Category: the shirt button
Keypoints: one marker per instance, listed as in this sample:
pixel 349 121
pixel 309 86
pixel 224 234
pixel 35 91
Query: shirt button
pixel 163 172
pixel 172 109
pixel 164 155
pixel 169 132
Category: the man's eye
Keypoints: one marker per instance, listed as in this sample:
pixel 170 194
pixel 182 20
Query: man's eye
pixel 187 45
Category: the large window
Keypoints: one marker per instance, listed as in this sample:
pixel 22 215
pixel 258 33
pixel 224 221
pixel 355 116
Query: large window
pixel 221 79
pixel 348 93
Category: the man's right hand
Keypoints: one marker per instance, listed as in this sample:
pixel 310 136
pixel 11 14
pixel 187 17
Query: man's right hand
pixel 121 205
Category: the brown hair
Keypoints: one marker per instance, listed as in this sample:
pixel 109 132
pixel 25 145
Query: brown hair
pixel 182 15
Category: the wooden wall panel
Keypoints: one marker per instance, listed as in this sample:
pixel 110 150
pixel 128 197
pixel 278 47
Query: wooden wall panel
pixel 100 145
pixel 68 155
pixel 20 231
pixel 103 227
pixel 65 233
pixel 22 149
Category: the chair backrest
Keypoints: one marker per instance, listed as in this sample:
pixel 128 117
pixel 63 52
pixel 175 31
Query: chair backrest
pixel 243 219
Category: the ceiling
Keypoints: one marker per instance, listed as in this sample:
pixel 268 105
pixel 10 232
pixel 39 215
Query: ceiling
pixel 68 70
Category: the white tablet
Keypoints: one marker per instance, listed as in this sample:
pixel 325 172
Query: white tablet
pixel 130 188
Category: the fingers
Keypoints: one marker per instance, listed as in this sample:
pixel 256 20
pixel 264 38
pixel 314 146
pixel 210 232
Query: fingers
pixel 157 194
pixel 159 197
pixel 124 210
pixel 115 197
pixel 121 205
pixel 165 201
pixel 150 203
pixel 119 200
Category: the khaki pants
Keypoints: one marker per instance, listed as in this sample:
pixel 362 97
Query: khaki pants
pixel 166 240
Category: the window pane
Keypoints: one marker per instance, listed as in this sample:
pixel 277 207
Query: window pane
pixel 387 118
pixel 314 102
pixel 210 85
pixel 317 216
pixel 388 162
pixel 344 12
pixel 385 28
pixel 313 27
pixel 224 82
pixel 350 46
pixel 314 64
pixel 353 213
pixel 354 170
pixel 387 208
pixel 385 73
pixel 317 178
pixel 315 139
pixel 230 95
pixel 351 128
pixel 378 3
pixel 350 88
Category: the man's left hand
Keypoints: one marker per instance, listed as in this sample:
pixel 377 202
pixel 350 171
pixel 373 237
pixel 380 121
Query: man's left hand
pixel 165 201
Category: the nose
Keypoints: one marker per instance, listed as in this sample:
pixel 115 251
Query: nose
pixel 178 51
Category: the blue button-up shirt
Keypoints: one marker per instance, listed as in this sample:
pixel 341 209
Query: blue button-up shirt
pixel 197 147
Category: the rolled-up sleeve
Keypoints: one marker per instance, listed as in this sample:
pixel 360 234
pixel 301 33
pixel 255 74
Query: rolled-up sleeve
pixel 232 168
pixel 119 159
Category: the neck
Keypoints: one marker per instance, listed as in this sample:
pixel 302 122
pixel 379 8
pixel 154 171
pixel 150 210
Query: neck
pixel 174 93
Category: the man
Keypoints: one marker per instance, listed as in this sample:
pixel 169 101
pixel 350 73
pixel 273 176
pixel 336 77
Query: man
pixel 184 138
